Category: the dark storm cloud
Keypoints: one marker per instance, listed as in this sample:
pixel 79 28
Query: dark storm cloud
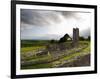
pixel 30 17
pixel 68 14
pixel 35 17
pixel 43 18
pixel 72 14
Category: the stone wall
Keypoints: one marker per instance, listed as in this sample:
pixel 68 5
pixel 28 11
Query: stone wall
pixel 75 36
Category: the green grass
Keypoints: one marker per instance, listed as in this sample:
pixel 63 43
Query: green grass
pixel 33 48
pixel 81 53
pixel 39 59
pixel 30 43
pixel 47 58
pixel 37 66
pixel 50 65
pixel 42 58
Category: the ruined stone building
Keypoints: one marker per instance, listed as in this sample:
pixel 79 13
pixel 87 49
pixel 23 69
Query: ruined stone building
pixel 75 36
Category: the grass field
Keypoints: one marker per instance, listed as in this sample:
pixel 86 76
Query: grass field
pixel 28 48
pixel 31 48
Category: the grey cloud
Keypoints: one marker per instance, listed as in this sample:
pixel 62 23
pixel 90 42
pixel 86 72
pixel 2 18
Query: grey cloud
pixel 37 17
pixel 43 18
pixel 85 33
pixel 72 14
pixel 68 14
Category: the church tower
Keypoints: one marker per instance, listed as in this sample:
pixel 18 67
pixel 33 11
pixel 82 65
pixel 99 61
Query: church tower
pixel 75 36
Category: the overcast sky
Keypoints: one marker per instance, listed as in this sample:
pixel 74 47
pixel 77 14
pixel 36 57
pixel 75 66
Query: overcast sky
pixel 44 25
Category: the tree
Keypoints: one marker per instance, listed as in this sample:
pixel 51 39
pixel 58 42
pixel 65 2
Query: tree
pixel 88 38
pixel 53 41
pixel 81 38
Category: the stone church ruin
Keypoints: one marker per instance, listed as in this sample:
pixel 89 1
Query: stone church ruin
pixel 75 36
pixel 62 46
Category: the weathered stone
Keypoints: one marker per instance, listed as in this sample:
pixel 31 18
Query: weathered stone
pixel 75 37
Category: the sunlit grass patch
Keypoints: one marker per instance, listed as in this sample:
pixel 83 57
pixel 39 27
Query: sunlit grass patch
pixel 33 48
